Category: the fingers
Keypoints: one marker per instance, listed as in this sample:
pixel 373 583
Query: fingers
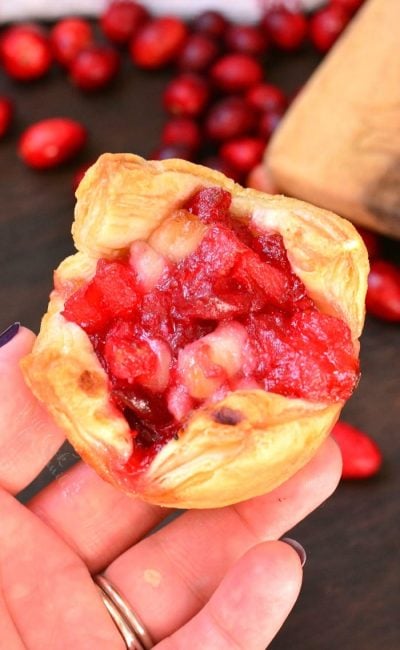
pixel 249 606
pixel 9 633
pixel 169 576
pixel 28 436
pixel 48 591
pixel 96 520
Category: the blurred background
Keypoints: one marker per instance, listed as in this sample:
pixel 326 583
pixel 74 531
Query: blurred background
pixel 213 88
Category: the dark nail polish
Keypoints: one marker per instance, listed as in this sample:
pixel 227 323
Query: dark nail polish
pixel 297 547
pixel 8 334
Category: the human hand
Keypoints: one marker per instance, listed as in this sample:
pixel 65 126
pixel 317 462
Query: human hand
pixel 214 579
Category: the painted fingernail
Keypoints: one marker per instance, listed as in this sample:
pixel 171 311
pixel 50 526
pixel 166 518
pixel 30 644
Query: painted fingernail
pixel 297 547
pixel 8 334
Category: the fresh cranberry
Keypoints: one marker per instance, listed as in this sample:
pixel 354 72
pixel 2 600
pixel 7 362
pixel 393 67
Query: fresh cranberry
pixel 266 97
pixel 349 5
pixel 25 52
pixel 69 37
pixel 158 43
pixel 50 142
pixel 260 179
pixel 383 295
pixel 167 151
pixel 6 115
pixel 247 39
pixel 327 25
pixel 361 455
pixel 182 131
pixel 371 241
pixel 95 67
pixel 229 118
pixel 236 72
pixel 215 162
pixel 243 154
pixel 268 123
pixel 122 19
pixel 79 174
pixel 197 54
pixel 287 29
pixel 211 23
pixel 186 95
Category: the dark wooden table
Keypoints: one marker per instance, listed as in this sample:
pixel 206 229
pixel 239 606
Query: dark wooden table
pixel 350 598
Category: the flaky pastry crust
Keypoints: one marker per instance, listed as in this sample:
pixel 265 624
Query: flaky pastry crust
pixel 123 198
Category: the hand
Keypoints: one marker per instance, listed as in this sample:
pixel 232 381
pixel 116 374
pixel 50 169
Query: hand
pixel 214 579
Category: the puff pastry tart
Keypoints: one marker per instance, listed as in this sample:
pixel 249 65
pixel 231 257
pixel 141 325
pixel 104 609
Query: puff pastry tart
pixel 200 345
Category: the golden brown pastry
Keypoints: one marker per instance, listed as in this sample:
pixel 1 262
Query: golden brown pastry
pixel 199 346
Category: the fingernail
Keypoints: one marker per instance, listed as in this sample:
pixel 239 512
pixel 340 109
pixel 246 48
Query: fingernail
pixel 297 547
pixel 8 334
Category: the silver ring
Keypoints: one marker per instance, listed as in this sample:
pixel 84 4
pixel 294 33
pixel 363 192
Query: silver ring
pixel 128 623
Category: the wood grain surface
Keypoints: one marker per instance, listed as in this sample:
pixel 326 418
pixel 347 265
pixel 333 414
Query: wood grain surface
pixel 350 598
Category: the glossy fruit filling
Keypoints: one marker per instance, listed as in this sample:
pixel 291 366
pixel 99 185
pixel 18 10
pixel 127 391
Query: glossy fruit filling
pixel 205 306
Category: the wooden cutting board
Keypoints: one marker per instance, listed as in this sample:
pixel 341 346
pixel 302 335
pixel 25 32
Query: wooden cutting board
pixel 339 144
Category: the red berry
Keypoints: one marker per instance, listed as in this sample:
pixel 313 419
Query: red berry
pixel 371 241
pixel 268 123
pixel 236 72
pixel 229 118
pixel 211 23
pixel 197 54
pixel 214 162
pixel 383 295
pixel 181 131
pixel 286 29
pixel 243 154
pixel 349 5
pixel 158 43
pixel 25 52
pixel 95 67
pixel 168 151
pixel 186 95
pixel 6 115
pixel 327 25
pixel 50 142
pixel 361 456
pixel 247 39
pixel 79 174
pixel 69 37
pixel 266 97
pixel 122 19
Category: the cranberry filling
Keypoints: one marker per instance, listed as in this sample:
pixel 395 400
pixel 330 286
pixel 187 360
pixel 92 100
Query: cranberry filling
pixel 206 306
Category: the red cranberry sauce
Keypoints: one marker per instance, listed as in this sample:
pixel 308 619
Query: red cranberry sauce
pixel 230 314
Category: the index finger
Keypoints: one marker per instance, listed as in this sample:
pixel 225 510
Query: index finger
pixel 28 436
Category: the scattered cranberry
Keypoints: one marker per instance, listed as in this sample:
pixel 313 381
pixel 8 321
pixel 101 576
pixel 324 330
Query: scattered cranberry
pixel 69 37
pixel 211 23
pixel 167 151
pixel 122 19
pixel 383 295
pixel 247 39
pixel 236 72
pixel 286 29
pixel 95 67
pixel 371 241
pixel 182 131
pixel 361 455
pixel 186 95
pixel 158 42
pixel 214 162
pixel 243 154
pixel 25 52
pixel 50 142
pixel 349 5
pixel 6 115
pixel 268 123
pixel 229 118
pixel 79 174
pixel 197 54
pixel 266 97
pixel 260 179
pixel 326 26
